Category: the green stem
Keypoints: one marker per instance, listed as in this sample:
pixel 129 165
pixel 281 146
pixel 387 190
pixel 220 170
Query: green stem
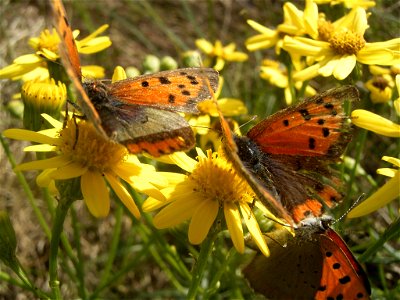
pixel 198 272
pixel 26 188
pixel 114 245
pixel 80 263
pixel 61 213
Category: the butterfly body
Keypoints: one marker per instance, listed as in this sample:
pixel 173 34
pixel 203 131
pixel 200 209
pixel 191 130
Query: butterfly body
pixel 286 157
pixel 315 264
pixel 142 112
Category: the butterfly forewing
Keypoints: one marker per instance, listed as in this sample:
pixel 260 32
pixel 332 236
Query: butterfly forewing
pixel 67 47
pixel 315 127
pixel 177 90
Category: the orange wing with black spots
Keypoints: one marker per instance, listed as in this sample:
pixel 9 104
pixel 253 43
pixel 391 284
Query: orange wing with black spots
pixel 140 113
pixel 314 264
pixel 286 157
pixel 178 90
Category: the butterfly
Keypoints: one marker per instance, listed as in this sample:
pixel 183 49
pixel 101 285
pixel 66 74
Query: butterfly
pixel 286 157
pixel 314 264
pixel 141 113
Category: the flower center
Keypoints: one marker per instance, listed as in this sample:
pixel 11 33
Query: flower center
pixel 85 146
pixel 346 42
pixel 216 179
pixel 48 40
pixel 380 83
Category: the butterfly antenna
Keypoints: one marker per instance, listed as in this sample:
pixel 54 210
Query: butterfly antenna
pixel 361 197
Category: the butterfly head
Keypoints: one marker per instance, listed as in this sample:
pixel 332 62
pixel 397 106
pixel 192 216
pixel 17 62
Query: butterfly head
pixel 97 92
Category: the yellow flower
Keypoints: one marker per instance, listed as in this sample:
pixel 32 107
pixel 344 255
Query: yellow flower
pixel 276 74
pixel 341 44
pixel 349 3
pixel 381 88
pixel 296 23
pixel 212 185
pixel 388 192
pixel 34 66
pixel 220 53
pixel 82 153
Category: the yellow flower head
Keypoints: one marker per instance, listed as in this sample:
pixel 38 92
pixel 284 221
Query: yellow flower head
pixel 339 46
pixel 82 153
pixel 34 66
pixel 220 53
pixel 211 186
pixel 296 23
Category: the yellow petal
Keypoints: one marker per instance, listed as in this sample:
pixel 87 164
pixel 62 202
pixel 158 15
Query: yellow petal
pixel 253 228
pixel 234 224
pixel 28 135
pixel 95 194
pixel 204 46
pixel 373 122
pixel 344 66
pixel 28 59
pixel 69 171
pixel 49 163
pixel 40 148
pixel 387 172
pixel 176 213
pixel 122 194
pixel 388 192
pixel 202 220
pixel 392 160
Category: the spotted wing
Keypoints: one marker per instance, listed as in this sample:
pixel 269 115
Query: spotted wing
pixel 70 59
pixel 148 129
pixel 342 276
pixel 315 127
pixel 178 90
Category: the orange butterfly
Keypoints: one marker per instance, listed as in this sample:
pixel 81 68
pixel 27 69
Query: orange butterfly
pixel 315 264
pixel 140 113
pixel 285 158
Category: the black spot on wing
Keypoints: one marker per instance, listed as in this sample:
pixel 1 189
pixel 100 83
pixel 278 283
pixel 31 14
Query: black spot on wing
pixel 164 80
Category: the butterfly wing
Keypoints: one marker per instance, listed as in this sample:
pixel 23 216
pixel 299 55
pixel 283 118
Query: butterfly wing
pixel 292 271
pixel 296 146
pixel 342 275
pixel 315 264
pixel 70 59
pixel 68 45
pixel 232 152
pixel 177 90
pixel 147 129
pixel 315 127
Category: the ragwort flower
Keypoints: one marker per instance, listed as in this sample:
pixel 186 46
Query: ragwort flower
pixel 212 185
pixel 82 153
pixel 296 23
pixel 34 66
pixel 339 46
pixel 220 53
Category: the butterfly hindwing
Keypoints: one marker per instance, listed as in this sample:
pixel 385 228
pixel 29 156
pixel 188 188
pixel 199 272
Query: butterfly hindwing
pixel 343 277
pixel 139 128
pixel 314 264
